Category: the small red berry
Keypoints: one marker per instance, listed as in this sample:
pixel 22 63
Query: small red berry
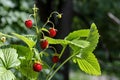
pixel 52 32
pixel 37 67
pixel 44 44
pixel 55 59
pixel 28 23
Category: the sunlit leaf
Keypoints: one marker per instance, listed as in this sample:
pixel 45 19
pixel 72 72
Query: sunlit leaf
pixel 93 38
pixel 88 64
pixel 8 58
pixel 29 42
pixel 79 43
pixel 85 58
pixel 77 34
pixel 31 37
pixel 6 74
pixel 56 41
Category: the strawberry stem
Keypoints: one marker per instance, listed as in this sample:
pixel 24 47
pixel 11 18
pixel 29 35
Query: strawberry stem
pixel 53 48
pixel 53 73
pixel 48 20
pixel 51 70
pixel 35 9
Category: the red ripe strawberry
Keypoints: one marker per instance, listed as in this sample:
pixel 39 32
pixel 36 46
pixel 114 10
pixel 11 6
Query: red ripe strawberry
pixel 55 59
pixel 28 23
pixel 37 67
pixel 44 44
pixel 52 32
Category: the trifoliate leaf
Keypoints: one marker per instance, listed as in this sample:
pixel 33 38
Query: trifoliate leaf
pixel 84 57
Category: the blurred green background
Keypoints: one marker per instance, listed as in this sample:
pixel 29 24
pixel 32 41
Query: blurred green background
pixel 77 14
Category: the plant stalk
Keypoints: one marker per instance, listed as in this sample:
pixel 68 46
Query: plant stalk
pixel 61 66
pixel 64 47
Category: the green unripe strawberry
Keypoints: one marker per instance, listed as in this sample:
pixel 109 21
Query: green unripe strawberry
pixel 59 16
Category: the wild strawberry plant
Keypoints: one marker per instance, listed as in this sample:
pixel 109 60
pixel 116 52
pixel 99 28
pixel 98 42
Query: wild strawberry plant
pixel 29 59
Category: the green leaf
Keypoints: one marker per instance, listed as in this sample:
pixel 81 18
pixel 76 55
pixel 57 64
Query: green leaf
pixel 29 42
pixel 92 38
pixel 23 51
pixel 56 41
pixel 6 74
pixel 77 39
pixel 88 64
pixel 77 34
pixel 84 57
pixel 79 43
pixel 31 37
pixel 26 68
pixel 8 58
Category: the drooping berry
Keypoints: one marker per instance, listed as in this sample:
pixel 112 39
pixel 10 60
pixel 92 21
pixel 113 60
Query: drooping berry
pixel 44 44
pixel 37 67
pixel 55 59
pixel 52 32
pixel 28 23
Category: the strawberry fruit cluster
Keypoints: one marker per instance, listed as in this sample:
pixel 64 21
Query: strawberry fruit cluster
pixel 44 44
pixel 30 59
